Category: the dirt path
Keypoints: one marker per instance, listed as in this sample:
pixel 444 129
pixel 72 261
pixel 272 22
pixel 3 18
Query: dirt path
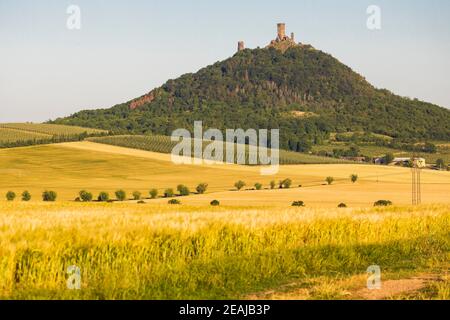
pixel 392 288
pixel 339 289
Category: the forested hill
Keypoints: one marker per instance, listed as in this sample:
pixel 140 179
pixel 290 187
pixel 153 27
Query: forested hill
pixel 305 92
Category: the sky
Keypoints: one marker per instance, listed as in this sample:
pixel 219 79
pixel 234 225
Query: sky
pixel 126 48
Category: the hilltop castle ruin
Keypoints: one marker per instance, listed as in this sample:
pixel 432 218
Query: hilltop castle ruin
pixel 282 41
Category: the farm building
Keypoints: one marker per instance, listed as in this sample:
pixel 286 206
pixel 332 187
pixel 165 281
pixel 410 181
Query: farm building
pixel 420 162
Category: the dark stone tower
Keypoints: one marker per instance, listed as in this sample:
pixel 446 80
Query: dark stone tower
pixel 241 46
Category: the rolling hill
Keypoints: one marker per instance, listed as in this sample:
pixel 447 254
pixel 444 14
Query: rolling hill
pixel 305 92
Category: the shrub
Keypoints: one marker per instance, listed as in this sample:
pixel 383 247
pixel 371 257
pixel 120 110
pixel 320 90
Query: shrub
pixel 141 202
pixel 329 180
pixel 440 163
pixel 239 185
pixel 429 148
pixel 137 195
pixel 26 196
pixel 201 188
pixel 77 199
pixel 388 158
pixel 183 190
pixel 215 203
pixel 342 205
pixel 382 203
pixel 174 201
pixel 49 196
pixel 298 204
pixel 153 193
pixel 85 196
pixel 169 193
pixel 103 197
pixel 272 184
pixel 121 195
pixel 285 184
pixel 354 178
pixel 10 196
pixel 258 186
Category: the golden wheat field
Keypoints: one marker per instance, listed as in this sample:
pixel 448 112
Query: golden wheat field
pixel 130 251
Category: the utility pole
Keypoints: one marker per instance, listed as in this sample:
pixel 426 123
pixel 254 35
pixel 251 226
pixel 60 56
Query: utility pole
pixel 416 182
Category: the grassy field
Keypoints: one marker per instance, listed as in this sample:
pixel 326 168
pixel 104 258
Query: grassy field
pixel 130 251
pixel 70 167
pixel 163 144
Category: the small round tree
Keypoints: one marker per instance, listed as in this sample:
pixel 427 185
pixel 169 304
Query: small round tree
pixel 342 205
pixel 174 201
pixel 239 185
pixel 103 197
pixel 49 196
pixel 298 204
pixel 121 195
pixel 273 184
pixel 137 195
pixel 286 183
pixel 183 190
pixel 258 186
pixel 85 196
pixel 382 203
pixel 215 203
pixel 26 196
pixel 440 164
pixel 153 193
pixel 201 188
pixel 388 158
pixel 329 180
pixel 10 196
pixel 354 178
pixel 169 193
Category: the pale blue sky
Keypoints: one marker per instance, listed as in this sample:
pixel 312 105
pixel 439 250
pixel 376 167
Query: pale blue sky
pixel 126 48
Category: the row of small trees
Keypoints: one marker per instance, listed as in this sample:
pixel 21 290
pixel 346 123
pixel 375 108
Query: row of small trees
pixel 26 196
pixel 286 183
pixel 121 195
pixel 282 184
pixel 379 203
pixel 183 190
